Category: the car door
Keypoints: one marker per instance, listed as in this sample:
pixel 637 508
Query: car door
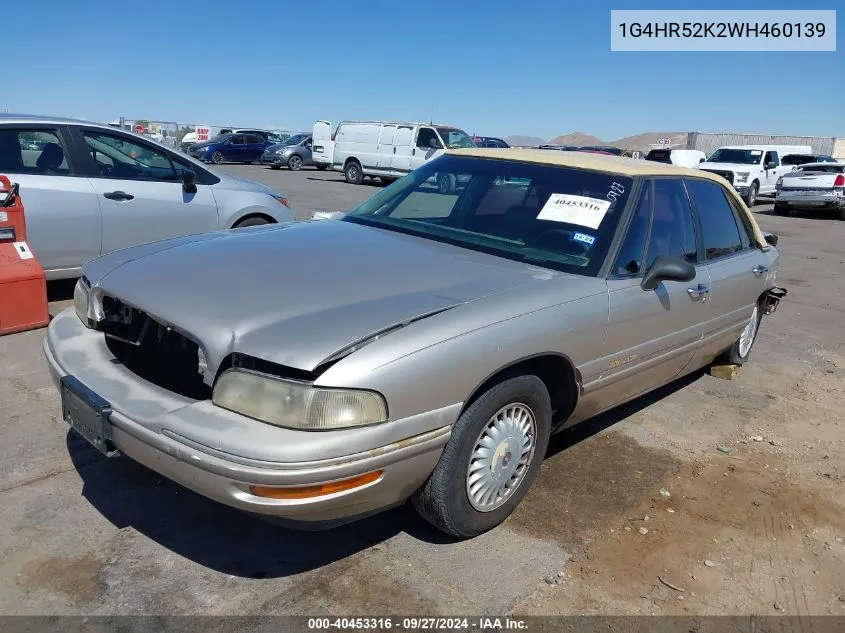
pixel 736 265
pixel 235 148
pixel 384 153
pixel 141 193
pixel 426 146
pixel 403 141
pixel 653 335
pixel 772 174
pixel 63 216
pixel 305 151
pixel 255 146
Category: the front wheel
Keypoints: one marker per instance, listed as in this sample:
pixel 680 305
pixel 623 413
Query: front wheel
pixel 491 459
pixel 751 197
pixel 217 158
pixel 741 349
pixel 251 222
pixel 353 174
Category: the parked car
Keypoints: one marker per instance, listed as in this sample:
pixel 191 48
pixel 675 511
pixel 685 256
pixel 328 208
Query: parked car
pixel 794 160
pixel 562 148
pixel 751 169
pixel 813 186
pixel 387 150
pixel 489 141
pixel 681 157
pixel 233 148
pixel 434 351
pixel 92 189
pixel 294 153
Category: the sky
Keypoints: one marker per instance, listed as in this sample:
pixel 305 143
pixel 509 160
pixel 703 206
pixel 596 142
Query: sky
pixel 494 68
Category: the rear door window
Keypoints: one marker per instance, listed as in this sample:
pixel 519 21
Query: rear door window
pixel 28 151
pixel 720 233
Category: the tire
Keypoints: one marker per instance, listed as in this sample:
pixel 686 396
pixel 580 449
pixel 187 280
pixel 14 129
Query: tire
pixel 751 197
pixel 446 183
pixel 321 167
pixel 217 157
pixel 735 355
pixel 295 162
pixel 781 209
pixel 251 222
pixel 444 500
pixel 352 172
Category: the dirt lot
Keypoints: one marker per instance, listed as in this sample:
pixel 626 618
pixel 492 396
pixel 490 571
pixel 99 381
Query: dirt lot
pixel 709 497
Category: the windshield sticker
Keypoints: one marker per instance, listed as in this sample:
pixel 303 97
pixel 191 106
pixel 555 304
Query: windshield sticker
pixel 580 210
pixel 583 238
pixel 616 190
pixel 756 152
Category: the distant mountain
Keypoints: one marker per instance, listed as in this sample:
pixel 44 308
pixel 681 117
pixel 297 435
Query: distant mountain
pixel 643 142
pixel 579 139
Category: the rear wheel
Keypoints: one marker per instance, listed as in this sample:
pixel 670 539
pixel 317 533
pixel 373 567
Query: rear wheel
pixel 741 349
pixel 295 162
pixel 751 197
pixel 217 157
pixel 251 222
pixel 491 459
pixel 352 172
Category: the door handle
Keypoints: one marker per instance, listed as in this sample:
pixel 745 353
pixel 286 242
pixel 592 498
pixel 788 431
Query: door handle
pixel 759 270
pixel 118 195
pixel 394 149
pixel 700 292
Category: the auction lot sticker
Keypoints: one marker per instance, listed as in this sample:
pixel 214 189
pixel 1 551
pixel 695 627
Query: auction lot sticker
pixel 580 210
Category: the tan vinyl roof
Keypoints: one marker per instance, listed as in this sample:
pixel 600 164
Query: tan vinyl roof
pixel 611 165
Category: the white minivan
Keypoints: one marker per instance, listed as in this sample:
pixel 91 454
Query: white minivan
pixel 383 149
pixel 752 169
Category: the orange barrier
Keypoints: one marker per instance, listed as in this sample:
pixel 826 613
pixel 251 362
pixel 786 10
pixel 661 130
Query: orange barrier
pixel 23 286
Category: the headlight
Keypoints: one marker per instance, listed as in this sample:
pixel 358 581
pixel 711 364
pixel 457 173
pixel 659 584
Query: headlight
pixel 81 300
pixel 741 176
pixel 296 405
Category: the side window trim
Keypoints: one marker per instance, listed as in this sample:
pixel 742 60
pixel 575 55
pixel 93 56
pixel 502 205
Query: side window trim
pixel 634 202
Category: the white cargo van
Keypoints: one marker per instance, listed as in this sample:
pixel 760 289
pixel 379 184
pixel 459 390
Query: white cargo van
pixel 752 169
pixel 683 157
pixel 383 149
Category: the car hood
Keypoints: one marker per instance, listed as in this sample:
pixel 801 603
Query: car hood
pixel 728 166
pixel 298 294
pixel 203 144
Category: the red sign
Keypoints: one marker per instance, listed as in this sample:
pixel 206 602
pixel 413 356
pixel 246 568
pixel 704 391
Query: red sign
pixel 138 128
pixel 203 133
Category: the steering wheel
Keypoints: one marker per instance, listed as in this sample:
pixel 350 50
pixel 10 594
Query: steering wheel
pixel 565 244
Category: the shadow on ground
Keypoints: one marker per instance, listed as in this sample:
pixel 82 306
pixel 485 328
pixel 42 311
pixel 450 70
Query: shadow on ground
pixel 232 542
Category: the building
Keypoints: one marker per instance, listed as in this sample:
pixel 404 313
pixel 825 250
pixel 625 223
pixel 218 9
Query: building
pixel 709 142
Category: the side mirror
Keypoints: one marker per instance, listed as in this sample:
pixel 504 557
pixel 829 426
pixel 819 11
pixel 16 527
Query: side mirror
pixel 771 239
pixel 771 165
pixel 667 269
pixel 189 182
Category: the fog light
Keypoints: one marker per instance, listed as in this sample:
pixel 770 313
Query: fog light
pixel 318 490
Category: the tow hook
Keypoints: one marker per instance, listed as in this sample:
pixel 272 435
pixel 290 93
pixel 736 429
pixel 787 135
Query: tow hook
pixel 772 298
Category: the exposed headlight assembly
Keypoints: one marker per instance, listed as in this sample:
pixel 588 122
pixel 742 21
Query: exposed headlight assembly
pixel 296 405
pixel 741 176
pixel 82 301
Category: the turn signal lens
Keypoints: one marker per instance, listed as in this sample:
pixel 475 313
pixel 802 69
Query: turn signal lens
pixel 281 200
pixel 319 490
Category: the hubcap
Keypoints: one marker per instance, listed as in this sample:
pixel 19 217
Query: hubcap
pixel 501 457
pixel 295 162
pixel 748 334
pixel 353 173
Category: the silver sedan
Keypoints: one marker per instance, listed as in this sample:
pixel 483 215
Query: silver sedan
pixel 442 340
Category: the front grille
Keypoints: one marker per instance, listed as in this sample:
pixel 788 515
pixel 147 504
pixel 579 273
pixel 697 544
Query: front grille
pixel 152 351
pixel 727 175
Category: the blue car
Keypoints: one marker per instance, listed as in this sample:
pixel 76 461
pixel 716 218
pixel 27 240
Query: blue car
pixel 231 148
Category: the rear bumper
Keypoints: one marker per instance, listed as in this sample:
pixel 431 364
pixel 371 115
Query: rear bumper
pixel 833 199
pixel 72 349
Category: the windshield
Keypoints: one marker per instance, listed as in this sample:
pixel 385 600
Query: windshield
pixel 557 217
pixel 455 138
pixel 739 156
pixel 296 139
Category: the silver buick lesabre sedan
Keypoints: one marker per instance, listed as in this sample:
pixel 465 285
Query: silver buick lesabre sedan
pixel 424 346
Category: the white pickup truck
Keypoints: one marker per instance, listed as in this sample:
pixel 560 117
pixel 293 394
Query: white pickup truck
pixel 813 186
pixel 752 169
